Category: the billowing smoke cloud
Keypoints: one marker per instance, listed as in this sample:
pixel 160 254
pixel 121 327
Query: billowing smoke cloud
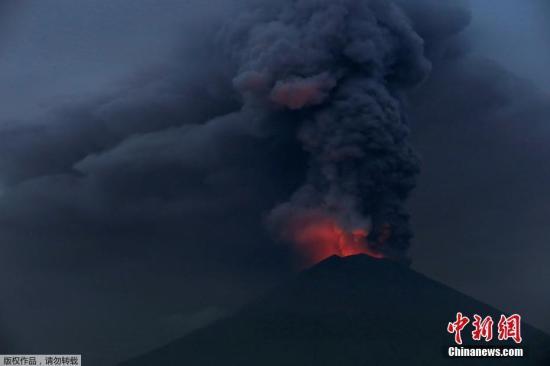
pixel 339 68
pixel 150 200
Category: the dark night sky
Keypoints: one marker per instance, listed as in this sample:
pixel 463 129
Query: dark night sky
pixel 126 220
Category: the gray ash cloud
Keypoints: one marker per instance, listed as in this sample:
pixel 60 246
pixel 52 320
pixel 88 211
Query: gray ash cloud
pixel 293 108
pixel 340 69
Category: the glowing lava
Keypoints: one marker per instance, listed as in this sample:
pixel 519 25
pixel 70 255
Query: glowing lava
pixel 318 239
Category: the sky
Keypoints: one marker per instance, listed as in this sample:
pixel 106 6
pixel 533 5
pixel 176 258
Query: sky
pixel 133 199
pixel 518 45
pixel 484 176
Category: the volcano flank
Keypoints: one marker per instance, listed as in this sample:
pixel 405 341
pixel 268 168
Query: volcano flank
pixel 355 310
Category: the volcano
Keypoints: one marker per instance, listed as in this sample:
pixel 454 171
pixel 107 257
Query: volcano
pixel 356 310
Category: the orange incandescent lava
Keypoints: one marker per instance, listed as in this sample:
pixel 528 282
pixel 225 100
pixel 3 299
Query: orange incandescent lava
pixel 320 239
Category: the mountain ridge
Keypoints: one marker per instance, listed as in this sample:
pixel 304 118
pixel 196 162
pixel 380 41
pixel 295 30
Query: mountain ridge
pixel 355 310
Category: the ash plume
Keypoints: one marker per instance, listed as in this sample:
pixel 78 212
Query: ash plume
pixel 162 180
pixel 339 69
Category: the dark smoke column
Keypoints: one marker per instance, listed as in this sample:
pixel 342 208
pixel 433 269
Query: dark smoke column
pixel 338 67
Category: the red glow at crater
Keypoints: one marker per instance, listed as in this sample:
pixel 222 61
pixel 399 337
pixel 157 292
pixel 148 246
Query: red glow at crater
pixel 321 238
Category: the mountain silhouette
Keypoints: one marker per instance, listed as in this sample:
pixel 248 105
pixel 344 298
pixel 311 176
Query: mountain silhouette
pixel 356 311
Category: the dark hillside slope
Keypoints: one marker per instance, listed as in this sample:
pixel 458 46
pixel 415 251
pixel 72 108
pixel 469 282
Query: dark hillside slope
pixel 344 311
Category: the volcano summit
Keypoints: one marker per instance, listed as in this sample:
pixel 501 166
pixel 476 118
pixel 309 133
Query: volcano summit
pixel 355 310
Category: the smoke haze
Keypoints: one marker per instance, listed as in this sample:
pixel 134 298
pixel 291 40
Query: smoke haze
pixel 147 198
